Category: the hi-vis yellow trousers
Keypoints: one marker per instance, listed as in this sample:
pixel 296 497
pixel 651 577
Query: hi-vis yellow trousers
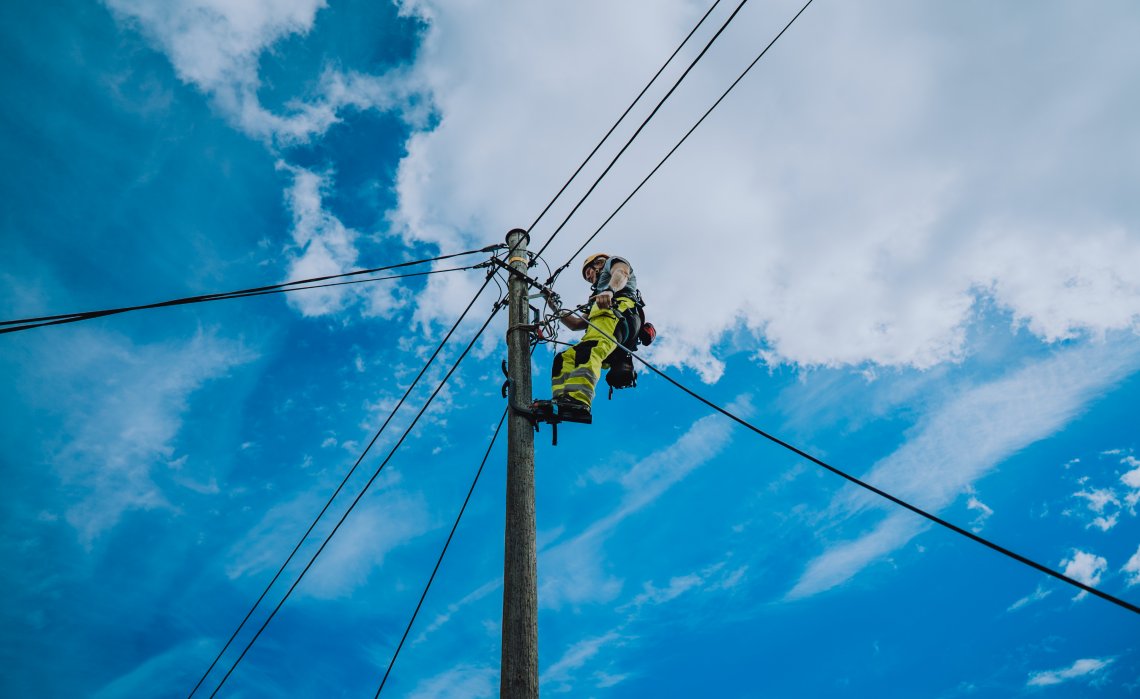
pixel 576 371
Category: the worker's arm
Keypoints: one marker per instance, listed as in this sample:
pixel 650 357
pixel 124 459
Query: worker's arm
pixel 619 277
pixel 574 322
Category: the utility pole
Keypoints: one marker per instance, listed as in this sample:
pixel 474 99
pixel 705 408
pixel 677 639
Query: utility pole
pixel 519 671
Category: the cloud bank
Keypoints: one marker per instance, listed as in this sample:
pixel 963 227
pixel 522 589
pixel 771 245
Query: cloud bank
pixel 862 196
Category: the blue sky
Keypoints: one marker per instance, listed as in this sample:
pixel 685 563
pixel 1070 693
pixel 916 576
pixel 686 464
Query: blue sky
pixel 907 244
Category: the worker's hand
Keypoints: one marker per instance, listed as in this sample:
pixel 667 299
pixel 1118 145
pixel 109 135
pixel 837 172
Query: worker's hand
pixel 604 299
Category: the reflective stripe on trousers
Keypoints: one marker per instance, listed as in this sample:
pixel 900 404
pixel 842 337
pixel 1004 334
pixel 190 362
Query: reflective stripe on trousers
pixel 576 371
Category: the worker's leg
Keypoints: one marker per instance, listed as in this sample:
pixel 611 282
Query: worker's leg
pixel 576 371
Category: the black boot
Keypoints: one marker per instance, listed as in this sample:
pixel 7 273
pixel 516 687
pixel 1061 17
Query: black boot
pixel 570 410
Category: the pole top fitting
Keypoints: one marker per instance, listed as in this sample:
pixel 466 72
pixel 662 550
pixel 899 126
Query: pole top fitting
pixel 514 234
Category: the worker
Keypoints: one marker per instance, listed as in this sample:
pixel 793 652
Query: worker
pixel 613 312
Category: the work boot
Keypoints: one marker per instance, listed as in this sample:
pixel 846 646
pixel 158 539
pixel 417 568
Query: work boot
pixel 570 410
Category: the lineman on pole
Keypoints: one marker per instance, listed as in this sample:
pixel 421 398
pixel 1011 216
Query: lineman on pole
pixel 614 314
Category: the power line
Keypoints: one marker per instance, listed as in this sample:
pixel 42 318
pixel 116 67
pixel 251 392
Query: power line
pixel 360 495
pixel 896 500
pixel 340 487
pixel 899 501
pixel 643 125
pixel 624 114
pixel 678 145
pixel 442 553
pixel 29 323
pixel 877 491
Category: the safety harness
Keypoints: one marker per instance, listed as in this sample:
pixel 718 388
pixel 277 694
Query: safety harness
pixel 632 330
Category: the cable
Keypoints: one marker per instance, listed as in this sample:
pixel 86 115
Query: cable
pixel 683 139
pixel 624 114
pixel 340 487
pixel 643 125
pixel 898 501
pixel 29 323
pixel 441 554
pixel 360 495
pixel 881 493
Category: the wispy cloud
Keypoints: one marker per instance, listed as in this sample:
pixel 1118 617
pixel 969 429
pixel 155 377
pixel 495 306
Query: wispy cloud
pixel 983 510
pixel 165 674
pixel 714 577
pixel 1081 669
pixel 122 407
pixel 470 598
pixel 572 571
pixel 358 550
pixel 575 657
pixel 460 682
pixel 1039 594
pixel 842 561
pixel 960 443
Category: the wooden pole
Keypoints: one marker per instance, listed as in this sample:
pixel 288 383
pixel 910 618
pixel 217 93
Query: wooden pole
pixel 519 671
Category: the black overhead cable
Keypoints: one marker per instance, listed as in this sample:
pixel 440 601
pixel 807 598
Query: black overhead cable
pixel 340 487
pixel 683 139
pixel 643 125
pixel 10 326
pixel 877 491
pixel 624 114
pixel 364 490
pixel 899 501
pixel 442 553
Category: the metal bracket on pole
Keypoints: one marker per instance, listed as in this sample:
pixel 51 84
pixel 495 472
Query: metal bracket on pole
pixel 543 290
pixel 532 416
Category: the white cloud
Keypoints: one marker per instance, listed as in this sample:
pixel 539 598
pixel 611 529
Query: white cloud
pixel 1098 499
pixel 1104 523
pixel 984 512
pixel 859 204
pixel 1132 569
pixel 961 442
pixel 326 247
pixel 1086 568
pixel 1081 669
pixel 216 45
pixel 460 682
pixel 1131 479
